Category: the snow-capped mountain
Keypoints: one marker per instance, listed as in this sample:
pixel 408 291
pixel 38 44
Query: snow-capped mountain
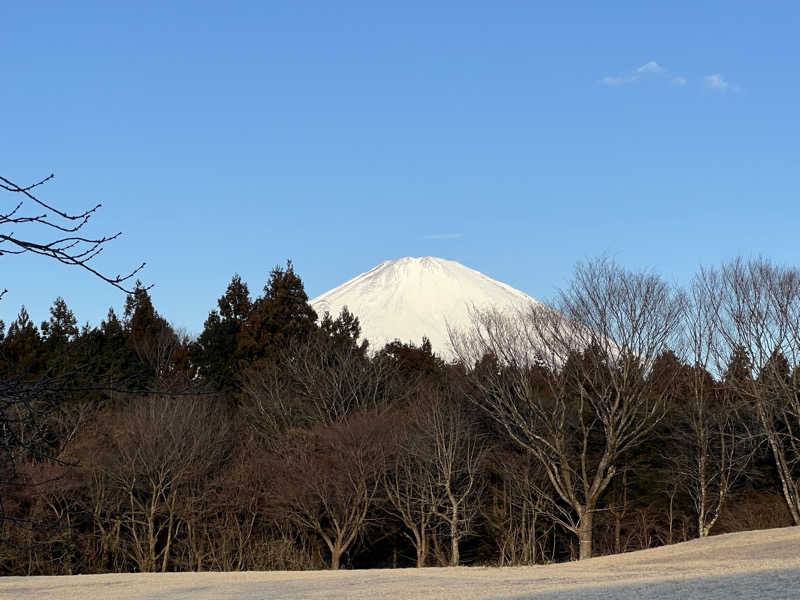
pixel 409 298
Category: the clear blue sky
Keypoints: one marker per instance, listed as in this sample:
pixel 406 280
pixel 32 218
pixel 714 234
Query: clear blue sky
pixel 514 137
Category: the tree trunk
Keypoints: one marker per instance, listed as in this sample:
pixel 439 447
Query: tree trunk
pixel 422 550
pixel 454 554
pixel 585 534
pixel 787 483
pixel 336 555
pixel 151 537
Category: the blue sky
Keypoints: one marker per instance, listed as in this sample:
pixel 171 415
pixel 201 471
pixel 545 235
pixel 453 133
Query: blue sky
pixel 514 137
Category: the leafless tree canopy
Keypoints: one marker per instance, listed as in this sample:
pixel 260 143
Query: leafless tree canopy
pixel 712 441
pixel 576 378
pixel 162 447
pixel 327 478
pixel 323 383
pixel 758 321
pixel 435 479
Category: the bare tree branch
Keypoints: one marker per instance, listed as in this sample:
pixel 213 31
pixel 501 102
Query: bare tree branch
pixel 72 249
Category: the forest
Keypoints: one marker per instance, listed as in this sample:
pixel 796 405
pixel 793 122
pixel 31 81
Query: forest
pixel 628 413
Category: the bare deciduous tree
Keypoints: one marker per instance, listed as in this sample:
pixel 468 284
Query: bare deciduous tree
pixel 759 317
pixel 163 444
pixel 712 444
pixel 517 513
pixel 456 452
pixel 570 385
pixel 434 480
pixel 409 483
pixel 323 383
pixel 326 479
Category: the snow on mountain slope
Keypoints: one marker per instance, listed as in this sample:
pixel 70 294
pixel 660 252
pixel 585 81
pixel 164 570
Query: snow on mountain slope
pixel 409 298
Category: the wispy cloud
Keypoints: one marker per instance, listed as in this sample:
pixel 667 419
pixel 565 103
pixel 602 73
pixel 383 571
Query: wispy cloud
pixel 650 67
pixel 608 80
pixel 717 82
pixel 444 236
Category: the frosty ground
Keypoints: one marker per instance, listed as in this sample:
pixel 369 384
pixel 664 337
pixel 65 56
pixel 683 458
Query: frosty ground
pixel 753 564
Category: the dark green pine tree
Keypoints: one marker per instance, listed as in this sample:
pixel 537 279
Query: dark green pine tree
pixel 739 370
pixel 216 355
pixel 162 353
pixel 21 358
pixel 108 361
pixel 280 318
pixel 414 363
pixel 343 331
pixel 236 304
pixel 58 335
pixel 140 318
pixel 62 327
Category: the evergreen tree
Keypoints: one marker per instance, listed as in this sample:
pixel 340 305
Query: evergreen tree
pixel 57 335
pixel 344 330
pixel 414 363
pixel 141 321
pixel 739 369
pixel 279 318
pixel 108 359
pixel 22 349
pixel 216 354
pixel 62 326
pixel 152 338
pixel 235 304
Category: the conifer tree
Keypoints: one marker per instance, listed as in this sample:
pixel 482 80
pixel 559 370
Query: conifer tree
pixel 216 354
pixel 152 337
pixel 235 305
pixel 107 359
pixel 739 369
pixel 344 330
pixel 281 316
pixel 62 326
pixel 414 363
pixel 22 349
pixel 58 333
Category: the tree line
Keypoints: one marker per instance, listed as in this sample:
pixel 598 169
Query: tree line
pixel 627 414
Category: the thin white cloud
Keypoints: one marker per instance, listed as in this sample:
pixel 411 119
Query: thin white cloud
pixel 678 80
pixel 650 67
pixel 609 80
pixel 717 82
pixel 444 236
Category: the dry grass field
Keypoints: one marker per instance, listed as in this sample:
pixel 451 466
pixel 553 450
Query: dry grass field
pixel 754 564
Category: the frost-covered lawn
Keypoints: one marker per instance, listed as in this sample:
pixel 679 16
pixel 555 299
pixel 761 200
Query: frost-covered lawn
pixel 757 564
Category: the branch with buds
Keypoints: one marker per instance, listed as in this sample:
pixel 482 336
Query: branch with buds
pixel 67 246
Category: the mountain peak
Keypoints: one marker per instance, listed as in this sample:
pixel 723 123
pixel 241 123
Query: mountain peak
pixel 414 297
